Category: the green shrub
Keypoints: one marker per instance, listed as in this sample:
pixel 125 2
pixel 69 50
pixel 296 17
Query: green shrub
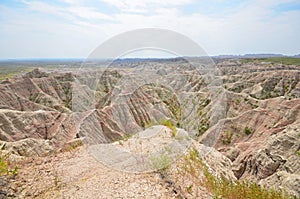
pixel 206 102
pixel 247 130
pixel 4 165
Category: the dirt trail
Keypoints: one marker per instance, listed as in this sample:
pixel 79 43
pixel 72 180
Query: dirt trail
pixel 77 174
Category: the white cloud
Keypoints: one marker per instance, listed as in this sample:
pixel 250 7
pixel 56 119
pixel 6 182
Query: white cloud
pixel 145 5
pixel 75 10
pixel 87 13
pixel 252 28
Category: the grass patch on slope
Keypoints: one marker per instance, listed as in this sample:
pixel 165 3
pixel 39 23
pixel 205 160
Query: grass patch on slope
pixel 170 125
pixel 165 122
pixel 5 164
pixel 193 167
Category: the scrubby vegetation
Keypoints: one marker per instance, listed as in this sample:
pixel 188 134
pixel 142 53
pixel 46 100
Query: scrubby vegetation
pixel 5 165
pixel 9 72
pixel 165 122
pixel 247 130
pixel 170 125
pixel 195 168
pixel 161 162
pixel 72 146
pixel 279 60
pixel 226 137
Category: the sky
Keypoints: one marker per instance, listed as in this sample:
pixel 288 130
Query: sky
pixel 74 28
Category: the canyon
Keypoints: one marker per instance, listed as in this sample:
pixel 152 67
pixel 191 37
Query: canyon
pixel 67 129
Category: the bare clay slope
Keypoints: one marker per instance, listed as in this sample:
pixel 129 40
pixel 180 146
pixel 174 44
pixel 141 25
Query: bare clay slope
pixel 261 132
pixel 35 113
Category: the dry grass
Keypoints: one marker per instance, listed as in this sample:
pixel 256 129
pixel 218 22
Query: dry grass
pixel 6 167
pixel 194 168
pixel 170 125
pixel 72 146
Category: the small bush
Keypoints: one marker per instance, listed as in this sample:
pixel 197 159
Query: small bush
pixel 247 130
pixel 160 162
pixel 227 136
pixel 5 166
pixel 206 102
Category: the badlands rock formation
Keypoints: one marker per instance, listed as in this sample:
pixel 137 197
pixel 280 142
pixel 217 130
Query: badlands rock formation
pixel 247 115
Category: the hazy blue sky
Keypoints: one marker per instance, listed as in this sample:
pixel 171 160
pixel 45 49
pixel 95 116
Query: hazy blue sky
pixel 73 28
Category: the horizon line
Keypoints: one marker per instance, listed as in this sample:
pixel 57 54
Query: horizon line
pixel 124 58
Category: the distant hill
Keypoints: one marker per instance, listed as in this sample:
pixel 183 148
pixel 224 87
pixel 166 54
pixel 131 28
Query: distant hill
pixel 249 56
pixel 297 56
